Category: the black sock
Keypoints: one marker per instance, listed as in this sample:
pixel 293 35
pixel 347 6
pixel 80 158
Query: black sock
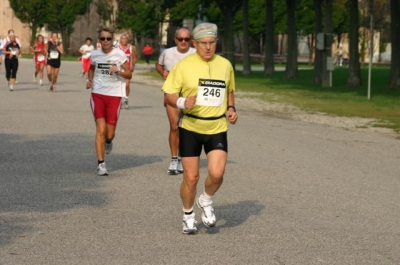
pixel 189 213
pixel 108 141
pixel 100 161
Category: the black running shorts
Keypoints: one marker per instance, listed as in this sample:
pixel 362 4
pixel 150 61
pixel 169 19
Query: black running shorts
pixel 191 143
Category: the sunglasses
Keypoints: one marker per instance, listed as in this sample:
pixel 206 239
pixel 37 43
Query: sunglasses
pixel 103 38
pixel 183 39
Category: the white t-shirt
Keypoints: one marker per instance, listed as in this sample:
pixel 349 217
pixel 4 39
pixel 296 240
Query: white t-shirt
pixel 171 56
pixel 104 82
pixel 87 50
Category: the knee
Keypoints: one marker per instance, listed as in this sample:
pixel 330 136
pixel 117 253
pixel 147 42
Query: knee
pixel 217 174
pixel 191 180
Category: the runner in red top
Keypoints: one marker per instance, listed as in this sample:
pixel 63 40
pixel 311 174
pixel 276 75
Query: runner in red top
pixel 130 52
pixel 147 50
pixel 39 58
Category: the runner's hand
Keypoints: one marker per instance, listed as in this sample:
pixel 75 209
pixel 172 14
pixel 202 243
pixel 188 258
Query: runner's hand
pixel 89 84
pixel 232 116
pixel 190 101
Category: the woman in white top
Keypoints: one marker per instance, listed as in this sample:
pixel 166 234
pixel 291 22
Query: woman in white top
pixel 108 70
pixel 86 49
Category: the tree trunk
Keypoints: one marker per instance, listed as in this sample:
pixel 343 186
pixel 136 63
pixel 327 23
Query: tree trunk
pixel 246 48
pixel 291 61
pixel 228 35
pixel 394 80
pixel 269 67
pixel 33 34
pixel 354 77
pixel 327 54
pixel 318 53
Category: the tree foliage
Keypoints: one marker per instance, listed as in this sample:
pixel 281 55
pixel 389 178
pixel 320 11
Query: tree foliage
pixel 32 12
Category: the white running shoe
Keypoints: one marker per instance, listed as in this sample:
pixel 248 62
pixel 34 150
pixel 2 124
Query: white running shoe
pixel 41 82
pixel 101 169
pixel 189 224
pixel 180 168
pixel 125 103
pixel 207 215
pixel 109 147
pixel 11 88
pixel 173 167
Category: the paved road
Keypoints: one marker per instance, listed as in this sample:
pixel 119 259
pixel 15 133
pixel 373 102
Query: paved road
pixel 294 193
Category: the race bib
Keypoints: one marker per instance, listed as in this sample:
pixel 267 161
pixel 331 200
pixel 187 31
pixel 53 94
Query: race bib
pixel 211 92
pixel 53 54
pixel 14 51
pixel 104 73
pixel 40 57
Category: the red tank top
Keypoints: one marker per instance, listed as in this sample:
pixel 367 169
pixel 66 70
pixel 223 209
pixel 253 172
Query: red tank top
pixel 39 57
pixel 128 51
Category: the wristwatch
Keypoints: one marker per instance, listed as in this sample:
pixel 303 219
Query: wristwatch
pixel 233 107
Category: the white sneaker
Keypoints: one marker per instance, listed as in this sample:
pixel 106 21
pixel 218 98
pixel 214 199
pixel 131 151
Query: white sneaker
pixel 207 215
pixel 101 169
pixel 41 82
pixel 11 88
pixel 125 103
pixel 180 168
pixel 109 147
pixel 173 167
pixel 189 224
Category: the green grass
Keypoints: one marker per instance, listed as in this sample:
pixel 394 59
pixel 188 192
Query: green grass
pixel 339 99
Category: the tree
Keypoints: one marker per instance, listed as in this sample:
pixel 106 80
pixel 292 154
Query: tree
pixel 32 12
pixel 291 62
pixel 228 9
pixel 62 15
pixel 354 77
pixel 394 80
pixel 326 75
pixel 269 67
pixel 246 51
pixel 318 61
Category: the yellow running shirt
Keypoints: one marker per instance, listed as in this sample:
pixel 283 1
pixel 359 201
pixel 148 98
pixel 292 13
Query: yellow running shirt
pixel 211 81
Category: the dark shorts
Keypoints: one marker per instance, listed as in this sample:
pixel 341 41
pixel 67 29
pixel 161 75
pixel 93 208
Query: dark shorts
pixel 191 143
pixel 54 63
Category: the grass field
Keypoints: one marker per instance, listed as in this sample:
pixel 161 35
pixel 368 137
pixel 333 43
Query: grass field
pixel 384 105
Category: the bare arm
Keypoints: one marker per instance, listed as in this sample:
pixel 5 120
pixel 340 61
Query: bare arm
pixel 161 70
pixel 231 111
pixel 89 83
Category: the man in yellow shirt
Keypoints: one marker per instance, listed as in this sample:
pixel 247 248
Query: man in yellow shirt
pixel 202 85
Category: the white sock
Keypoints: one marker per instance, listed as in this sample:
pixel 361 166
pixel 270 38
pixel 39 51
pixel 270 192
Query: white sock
pixel 205 198
pixel 187 210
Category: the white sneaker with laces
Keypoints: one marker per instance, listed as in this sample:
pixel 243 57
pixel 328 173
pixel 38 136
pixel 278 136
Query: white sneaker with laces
pixel 180 168
pixel 101 169
pixel 207 215
pixel 173 166
pixel 189 224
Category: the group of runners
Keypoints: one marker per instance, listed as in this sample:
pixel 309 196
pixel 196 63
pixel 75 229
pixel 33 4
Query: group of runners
pixel 199 99
pixel 45 53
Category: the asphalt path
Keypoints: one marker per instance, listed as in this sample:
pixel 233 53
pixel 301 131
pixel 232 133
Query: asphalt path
pixel 294 192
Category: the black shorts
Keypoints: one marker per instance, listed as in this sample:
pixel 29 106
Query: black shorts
pixel 191 143
pixel 54 63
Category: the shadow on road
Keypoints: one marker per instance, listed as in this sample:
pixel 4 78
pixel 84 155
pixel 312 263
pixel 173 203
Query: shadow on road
pixel 234 214
pixel 44 174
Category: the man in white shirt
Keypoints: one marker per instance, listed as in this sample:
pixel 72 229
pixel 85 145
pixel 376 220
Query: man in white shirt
pixel 165 63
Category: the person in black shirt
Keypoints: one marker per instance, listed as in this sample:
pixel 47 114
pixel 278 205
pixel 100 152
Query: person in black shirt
pixel 11 50
pixel 54 49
